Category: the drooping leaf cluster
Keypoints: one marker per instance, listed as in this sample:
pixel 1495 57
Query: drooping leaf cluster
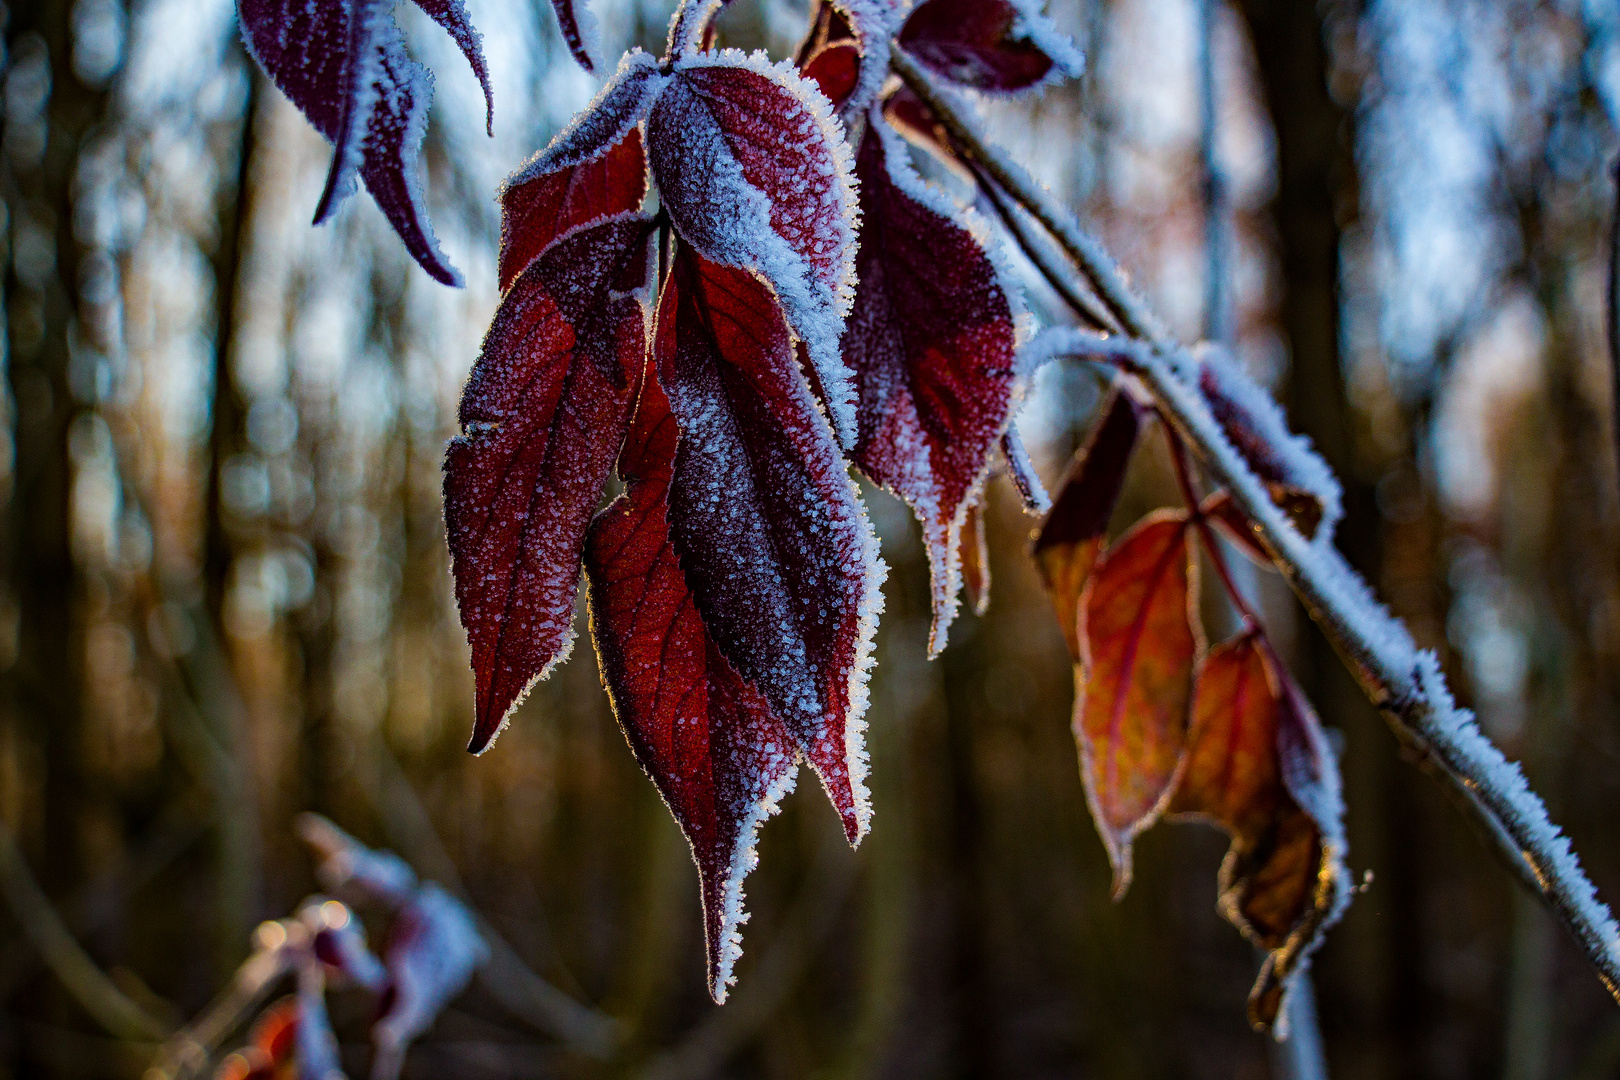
pixel 800 300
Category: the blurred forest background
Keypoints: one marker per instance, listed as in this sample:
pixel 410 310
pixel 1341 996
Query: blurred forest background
pixel 224 594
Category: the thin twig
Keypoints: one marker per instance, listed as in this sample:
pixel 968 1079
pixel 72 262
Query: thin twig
pixel 1614 311
pixel 189 1051
pixel 1404 684
pixel 89 985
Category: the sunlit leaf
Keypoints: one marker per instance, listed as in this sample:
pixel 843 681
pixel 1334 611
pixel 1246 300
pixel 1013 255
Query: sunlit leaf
pixel 975 560
pixel 753 169
pixel 1072 536
pixel 775 544
pixel 542 417
pixel 932 342
pixel 707 738
pixel 1133 686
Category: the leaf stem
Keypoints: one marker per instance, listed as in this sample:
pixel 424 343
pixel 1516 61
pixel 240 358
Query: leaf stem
pixel 1200 521
pixel 1403 682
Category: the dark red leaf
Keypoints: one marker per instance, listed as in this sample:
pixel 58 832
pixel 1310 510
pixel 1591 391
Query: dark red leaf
pixel 753 169
pixel 1133 686
pixel 707 738
pixel 1303 508
pixel 542 418
pixel 452 15
pixel 775 545
pixel 995 45
pixel 343 63
pixel 1072 536
pixel 1292 472
pixel 579 31
pixel 912 117
pixel 1259 768
pixel 835 69
pixel 868 26
pixel 1021 471
pixel 536 208
pixel 932 342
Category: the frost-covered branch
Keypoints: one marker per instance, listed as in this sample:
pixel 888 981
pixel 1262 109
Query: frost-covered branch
pixel 1402 681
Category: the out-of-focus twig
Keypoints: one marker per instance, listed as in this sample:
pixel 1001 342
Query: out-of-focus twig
pixel 507 978
pixel 189 1051
pixel 1299 1055
pixel 89 985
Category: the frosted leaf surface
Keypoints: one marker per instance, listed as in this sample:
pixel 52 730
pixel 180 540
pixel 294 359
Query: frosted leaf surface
pixel 1001 46
pixel 708 739
pixel 344 65
pixel 1031 492
pixel 580 31
pixel 430 952
pixel 537 207
pixel 932 343
pixel 860 34
pixel 1257 429
pixel 774 542
pixel 619 106
pixel 452 15
pixel 542 417
pixel 753 168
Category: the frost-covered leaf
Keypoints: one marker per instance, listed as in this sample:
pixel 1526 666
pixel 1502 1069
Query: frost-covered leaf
pixel 1133 685
pixel 1257 429
pixel 975 557
pixel 912 117
pixel 346 867
pixel 318 1055
pixel 1003 46
pixel 1304 509
pixel 775 544
pixel 542 417
pixel 932 343
pixel 707 738
pixel 867 27
pixel 1072 536
pixel 343 63
pixel 536 208
pixel 1021 471
pixel 836 70
pixel 432 948
pixel 452 15
pixel 1259 768
pixel 579 30
pixel 753 169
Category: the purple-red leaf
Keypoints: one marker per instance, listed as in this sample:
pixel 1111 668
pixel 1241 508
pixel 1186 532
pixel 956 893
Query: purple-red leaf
pixel 707 738
pixel 537 207
pixel 542 417
pixel 1002 46
pixel 867 28
pixel 774 542
pixel 452 15
pixel 932 343
pixel 1259 768
pixel 343 63
pixel 753 169
pixel 1292 472
pixel 835 69
pixel 1133 685
pixel 1021 471
pixel 432 948
pixel 1072 536
pixel 579 31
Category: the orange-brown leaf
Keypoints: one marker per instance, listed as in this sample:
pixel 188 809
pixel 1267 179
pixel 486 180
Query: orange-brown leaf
pixel 1072 536
pixel 975 555
pixel 1133 686
pixel 1255 741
